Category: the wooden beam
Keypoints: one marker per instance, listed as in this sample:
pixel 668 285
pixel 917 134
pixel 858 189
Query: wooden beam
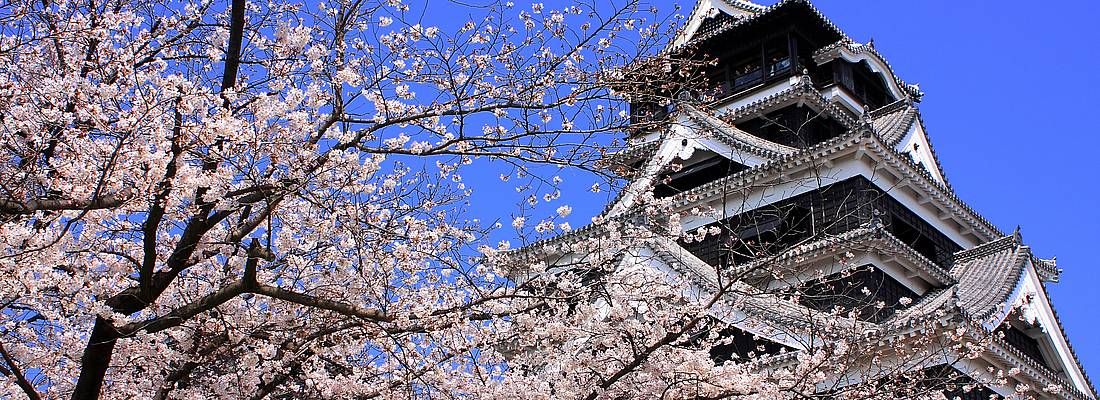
pixel 861 152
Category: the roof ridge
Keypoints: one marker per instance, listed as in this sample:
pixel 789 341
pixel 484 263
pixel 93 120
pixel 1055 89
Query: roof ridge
pixel 1047 268
pixel 894 124
pixel 932 149
pixel 945 186
pixel 897 105
pixel 985 249
pixel 745 5
pixel 540 247
pixel 631 152
pixel 923 308
pixel 773 165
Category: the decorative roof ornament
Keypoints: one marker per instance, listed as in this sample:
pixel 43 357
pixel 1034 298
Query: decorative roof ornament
pixel 866 123
pixel 1048 269
pixel 871 43
pixel 804 79
pixel 876 224
pixel 914 91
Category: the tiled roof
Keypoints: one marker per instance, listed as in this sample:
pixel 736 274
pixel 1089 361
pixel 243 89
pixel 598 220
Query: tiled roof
pixel 832 51
pixel 715 24
pixel 982 281
pixel 985 278
pixel 631 153
pixel 516 260
pixel 710 22
pixel 722 22
pixel 893 121
pixel 988 275
pixel 767 307
pixel 646 152
pixel 934 304
pixel 870 238
pixel 745 5
pixel 677 256
pixel 737 138
pixel 802 90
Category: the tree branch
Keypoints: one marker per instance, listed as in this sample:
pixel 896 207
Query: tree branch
pixel 233 53
pixel 179 315
pixel 156 208
pixel 20 378
pixel 324 304
pixel 16 207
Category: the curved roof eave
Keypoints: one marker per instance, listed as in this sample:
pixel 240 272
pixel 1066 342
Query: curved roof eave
pixel 851 51
pixel 689 35
pixel 918 177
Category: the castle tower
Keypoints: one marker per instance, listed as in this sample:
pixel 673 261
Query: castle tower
pixel 802 143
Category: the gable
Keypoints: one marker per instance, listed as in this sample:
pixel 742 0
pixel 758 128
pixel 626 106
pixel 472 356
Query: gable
pixel 686 146
pixel 705 9
pixel 916 145
pixel 1035 310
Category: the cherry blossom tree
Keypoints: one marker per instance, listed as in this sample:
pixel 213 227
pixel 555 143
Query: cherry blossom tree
pixel 250 198
pixel 247 200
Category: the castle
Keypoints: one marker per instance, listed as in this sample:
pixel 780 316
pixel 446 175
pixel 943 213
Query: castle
pixel 814 158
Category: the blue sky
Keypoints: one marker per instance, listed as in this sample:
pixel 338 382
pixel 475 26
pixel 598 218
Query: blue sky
pixel 1011 92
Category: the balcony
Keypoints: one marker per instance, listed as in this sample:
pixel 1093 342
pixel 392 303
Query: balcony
pixel 759 64
pixel 855 79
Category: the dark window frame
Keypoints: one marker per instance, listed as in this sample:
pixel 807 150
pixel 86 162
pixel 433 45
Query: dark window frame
pixel 834 209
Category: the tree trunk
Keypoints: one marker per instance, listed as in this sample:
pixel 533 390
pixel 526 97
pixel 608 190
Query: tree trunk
pixel 96 359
